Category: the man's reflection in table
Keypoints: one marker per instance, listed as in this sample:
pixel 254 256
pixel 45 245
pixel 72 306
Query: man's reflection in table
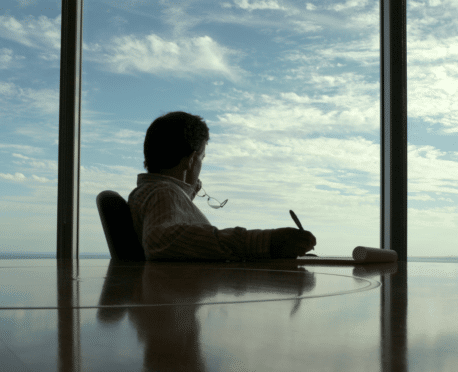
pixel 169 328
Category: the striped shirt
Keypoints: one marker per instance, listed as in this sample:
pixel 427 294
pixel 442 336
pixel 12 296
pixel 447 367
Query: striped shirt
pixel 170 226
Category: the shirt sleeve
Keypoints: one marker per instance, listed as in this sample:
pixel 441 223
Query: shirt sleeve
pixel 174 228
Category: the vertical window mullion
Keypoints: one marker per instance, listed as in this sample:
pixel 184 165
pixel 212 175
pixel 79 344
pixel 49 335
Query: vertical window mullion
pixel 69 129
pixel 393 136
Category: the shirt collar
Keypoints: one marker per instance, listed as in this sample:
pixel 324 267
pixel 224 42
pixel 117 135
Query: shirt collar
pixel 143 178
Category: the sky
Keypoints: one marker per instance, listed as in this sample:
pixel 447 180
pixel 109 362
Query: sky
pixel 289 89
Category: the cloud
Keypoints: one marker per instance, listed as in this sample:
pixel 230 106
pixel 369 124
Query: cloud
pixel 349 4
pixel 41 32
pixel 433 93
pixel 127 137
pixel 23 148
pixel 339 104
pixel 184 57
pixel 94 132
pixel 297 18
pixel 431 48
pixel 8 59
pixel 40 179
pixel 118 20
pixel 25 3
pixel 259 4
pixel 7 89
pixel 432 73
pixel 36 165
pixel 95 179
pixel 13 177
pixel 45 100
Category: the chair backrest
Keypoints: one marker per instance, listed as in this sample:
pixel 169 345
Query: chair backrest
pixel 118 226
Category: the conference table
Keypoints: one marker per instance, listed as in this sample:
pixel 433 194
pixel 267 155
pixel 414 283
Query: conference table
pixel 257 315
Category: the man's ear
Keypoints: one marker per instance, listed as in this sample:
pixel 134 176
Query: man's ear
pixel 190 160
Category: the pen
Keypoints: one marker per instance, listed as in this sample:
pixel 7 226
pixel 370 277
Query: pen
pixel 293 215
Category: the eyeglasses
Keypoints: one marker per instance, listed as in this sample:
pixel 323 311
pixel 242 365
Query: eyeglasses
pixel 212 202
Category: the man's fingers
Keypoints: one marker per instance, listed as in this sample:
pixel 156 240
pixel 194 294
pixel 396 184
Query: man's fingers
pixel 198 185
pixel 311 237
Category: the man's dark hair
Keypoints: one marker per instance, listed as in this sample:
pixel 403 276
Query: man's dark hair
pixel 171 137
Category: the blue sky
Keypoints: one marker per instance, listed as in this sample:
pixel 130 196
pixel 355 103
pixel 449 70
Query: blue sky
pixel 289 89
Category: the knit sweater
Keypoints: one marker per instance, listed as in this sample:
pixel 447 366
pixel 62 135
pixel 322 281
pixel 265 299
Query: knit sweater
pixel 171 227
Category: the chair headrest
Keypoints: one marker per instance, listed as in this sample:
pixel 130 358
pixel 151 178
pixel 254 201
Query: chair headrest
pixel 118 226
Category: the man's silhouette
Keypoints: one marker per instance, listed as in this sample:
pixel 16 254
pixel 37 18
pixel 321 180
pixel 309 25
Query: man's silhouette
pixel 170 226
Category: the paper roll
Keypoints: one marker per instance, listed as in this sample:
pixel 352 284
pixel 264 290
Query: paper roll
pixel 366 254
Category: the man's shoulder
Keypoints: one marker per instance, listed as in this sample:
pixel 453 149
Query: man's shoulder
pixel 160 189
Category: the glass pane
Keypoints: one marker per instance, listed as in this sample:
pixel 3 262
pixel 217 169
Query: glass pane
pixel 432 78
pixel 289 90
pixel 29 116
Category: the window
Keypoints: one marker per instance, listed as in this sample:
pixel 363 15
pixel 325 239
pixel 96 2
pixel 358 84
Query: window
pixel 289 89
pixel 432 69
pixel 29 115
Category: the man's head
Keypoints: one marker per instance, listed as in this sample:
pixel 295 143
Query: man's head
pixel 175 143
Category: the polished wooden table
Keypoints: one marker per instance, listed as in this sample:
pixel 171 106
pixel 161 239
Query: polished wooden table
pixel 266 315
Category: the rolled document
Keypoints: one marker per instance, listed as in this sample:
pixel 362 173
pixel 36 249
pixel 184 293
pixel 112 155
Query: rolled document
pixel 366 254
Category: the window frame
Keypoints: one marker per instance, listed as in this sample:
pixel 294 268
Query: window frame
pixel 68 180
pixel 393 128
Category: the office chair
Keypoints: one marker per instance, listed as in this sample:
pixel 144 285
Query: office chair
pixel 118 227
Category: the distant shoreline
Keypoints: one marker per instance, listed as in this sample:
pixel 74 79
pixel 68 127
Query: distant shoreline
pixel 36 255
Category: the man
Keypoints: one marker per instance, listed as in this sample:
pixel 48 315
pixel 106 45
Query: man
pixel 169 225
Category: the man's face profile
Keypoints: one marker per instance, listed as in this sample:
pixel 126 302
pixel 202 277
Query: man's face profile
pixel 193 170
pixel 189 168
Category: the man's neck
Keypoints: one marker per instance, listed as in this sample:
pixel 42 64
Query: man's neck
pixel 177 174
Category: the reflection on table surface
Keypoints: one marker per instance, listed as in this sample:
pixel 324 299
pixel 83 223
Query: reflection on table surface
pixel 265 315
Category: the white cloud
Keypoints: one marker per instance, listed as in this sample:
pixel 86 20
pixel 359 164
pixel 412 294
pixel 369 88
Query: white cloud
pixel 431 48
pixel 25 3
pixel 36 165
pixel 291 96
pixel 349 4
pixel 40 179
pixel 312 59
pixel 13 177
pixel 20 156
pixel 8 59
pixel 23 148
pixel 184 57
pixel 258 4
pixel 127 137
pixel 118 20
pixel 95 179
pixel 305 26
pixel 47 133
pixel 433 75
pixel 127 133
pixel 7 89
pixel 44 100
pixel 41 32
pixel 344 113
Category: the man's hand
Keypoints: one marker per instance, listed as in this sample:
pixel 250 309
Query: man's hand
pixel 289 242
